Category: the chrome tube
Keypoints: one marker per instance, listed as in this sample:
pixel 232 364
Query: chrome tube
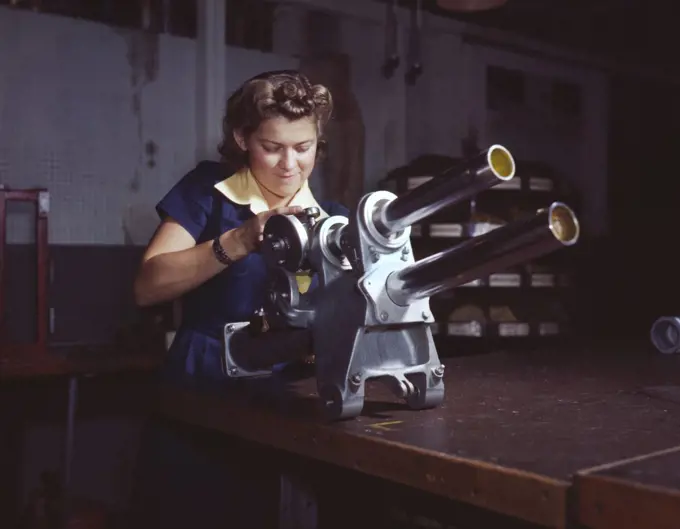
pixel 487 169
pixel 509 245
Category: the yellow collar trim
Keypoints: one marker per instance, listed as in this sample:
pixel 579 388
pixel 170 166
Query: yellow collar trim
pixel 242 188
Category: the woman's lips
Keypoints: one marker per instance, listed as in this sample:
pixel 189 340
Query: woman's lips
pixel 287 176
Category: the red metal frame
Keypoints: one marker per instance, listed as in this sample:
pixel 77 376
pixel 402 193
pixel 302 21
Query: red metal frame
pixel 41 198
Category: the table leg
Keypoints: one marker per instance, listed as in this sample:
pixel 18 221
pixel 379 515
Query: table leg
pixel 70 429
pixel 297 508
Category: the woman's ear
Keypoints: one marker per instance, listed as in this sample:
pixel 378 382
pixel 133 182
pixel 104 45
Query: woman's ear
pixel 240 140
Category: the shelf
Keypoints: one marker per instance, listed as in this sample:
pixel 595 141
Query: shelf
pixel 534 184
pixel 507 280
pixel 453 230
pixel 479 329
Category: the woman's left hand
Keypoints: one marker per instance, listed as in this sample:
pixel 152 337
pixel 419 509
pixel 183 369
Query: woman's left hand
pixel 245 239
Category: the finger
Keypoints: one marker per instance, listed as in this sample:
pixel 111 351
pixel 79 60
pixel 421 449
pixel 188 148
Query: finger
pixel 289 210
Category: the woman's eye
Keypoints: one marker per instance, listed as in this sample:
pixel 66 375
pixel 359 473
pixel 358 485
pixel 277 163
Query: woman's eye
pixel 270 148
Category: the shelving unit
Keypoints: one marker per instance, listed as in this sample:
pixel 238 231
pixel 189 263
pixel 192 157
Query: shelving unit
pixel 514 306
pixel 41 199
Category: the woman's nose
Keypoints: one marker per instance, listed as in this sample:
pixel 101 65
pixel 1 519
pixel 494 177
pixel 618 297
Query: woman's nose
pixel 288 160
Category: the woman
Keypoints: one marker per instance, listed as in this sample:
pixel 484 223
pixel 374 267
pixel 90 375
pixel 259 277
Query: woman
pixel 205 249
pixel 206 252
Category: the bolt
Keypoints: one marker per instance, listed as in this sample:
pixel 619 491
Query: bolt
pixel 426 316
pixel 312 212
pixel 279 245
pixel 230 328
pixel 384 316
pixel 405 250
pixel 355 379
pixel 438 371
pixel 375 257
pixel 233 371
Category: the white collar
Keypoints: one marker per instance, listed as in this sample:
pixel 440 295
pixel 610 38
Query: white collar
pixel 242 188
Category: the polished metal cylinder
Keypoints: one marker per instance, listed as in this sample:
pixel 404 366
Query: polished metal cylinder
pixel 487 169
pixel 665 334
pixel 509 245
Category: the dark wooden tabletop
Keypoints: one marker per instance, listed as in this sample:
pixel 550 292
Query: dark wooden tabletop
pixel 641 492
pixel 513 431
pixel 67 361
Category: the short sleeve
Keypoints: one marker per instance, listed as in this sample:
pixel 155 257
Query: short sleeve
pixel 334 208
pixel 189 202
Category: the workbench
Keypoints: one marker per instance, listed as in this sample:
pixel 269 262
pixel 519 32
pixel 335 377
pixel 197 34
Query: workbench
pixel 584 435
pixel 74 361
pixel 46 385
pixel 641 492
pixel 545 437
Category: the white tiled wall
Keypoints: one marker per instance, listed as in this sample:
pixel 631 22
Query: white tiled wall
pixel 79 101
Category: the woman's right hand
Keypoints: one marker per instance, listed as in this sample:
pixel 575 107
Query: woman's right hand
pixel 245 239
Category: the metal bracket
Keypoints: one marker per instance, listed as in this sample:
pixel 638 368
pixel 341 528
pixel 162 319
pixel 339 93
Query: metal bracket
pixel 230 368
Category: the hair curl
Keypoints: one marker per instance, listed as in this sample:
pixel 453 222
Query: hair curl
pixel 281 93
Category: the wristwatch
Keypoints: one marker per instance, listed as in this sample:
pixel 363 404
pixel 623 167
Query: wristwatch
pixel 220 253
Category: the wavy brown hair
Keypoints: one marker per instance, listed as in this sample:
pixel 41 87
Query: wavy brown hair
pixel 281 93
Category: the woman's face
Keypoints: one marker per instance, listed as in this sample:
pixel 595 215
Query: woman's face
pixel 282 154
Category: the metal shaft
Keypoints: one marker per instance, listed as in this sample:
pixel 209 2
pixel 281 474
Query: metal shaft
pixel 514 243
pixel 487 169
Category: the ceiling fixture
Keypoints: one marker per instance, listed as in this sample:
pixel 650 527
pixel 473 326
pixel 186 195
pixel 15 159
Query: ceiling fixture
pixel 470 5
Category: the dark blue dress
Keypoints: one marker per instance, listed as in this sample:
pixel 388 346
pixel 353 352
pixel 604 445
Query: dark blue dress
pixel 178 485
pixel 231 296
